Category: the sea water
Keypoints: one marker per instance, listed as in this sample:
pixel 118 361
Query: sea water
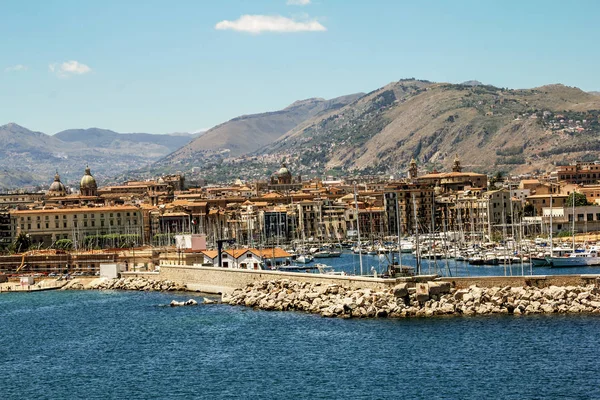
pixel 350 263
pixel 130 345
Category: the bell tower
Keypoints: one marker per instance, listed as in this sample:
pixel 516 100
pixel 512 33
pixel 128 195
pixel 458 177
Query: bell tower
pixel 456 167
pixel 412 170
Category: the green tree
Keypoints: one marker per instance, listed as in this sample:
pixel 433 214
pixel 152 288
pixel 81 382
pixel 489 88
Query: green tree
pixel 64 244
pixel 580 200
pixel 22 243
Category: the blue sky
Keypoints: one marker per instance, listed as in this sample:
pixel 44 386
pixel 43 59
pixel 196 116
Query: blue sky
pixel 168 66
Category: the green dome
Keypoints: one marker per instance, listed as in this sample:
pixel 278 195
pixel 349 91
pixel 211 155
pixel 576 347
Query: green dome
pixel 88 181
pixel 283 171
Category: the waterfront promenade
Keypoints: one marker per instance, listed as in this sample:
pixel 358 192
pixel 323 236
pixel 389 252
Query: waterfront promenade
pixel 39 286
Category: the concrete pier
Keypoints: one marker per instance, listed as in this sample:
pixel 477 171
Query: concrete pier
pixel 224 280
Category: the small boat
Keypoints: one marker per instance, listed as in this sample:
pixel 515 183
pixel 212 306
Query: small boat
pixel 322 254
pixel 328 270
pixel 335 253
pixel 304 258
pixel 476 260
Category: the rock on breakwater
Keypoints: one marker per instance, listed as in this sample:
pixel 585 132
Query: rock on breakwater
pixel 126 284
pixel 419 300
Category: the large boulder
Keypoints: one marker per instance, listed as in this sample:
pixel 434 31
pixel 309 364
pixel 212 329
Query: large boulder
pixel 422 293
pixel 438 288
pixel 400 290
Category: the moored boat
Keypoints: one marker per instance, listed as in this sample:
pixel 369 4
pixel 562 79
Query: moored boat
pixel 582 259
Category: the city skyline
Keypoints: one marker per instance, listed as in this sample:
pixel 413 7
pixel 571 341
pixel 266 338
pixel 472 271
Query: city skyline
pixel 186 67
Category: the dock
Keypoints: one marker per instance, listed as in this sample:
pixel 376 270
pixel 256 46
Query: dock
pixel 41 286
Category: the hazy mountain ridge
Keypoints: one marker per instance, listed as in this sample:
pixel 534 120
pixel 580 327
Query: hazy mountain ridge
pixel 31 158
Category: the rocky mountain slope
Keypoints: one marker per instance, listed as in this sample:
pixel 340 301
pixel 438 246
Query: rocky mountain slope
pixel 248 133
pixel 491 129
pixel 30 158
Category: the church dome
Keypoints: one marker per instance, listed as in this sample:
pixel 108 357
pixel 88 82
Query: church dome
pixel 283 171
pixel 88 186
pixel 57 186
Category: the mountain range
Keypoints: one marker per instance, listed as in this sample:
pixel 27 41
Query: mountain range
pixel 490 129
pixel 32 158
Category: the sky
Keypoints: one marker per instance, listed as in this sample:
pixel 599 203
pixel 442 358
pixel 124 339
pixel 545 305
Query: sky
pixel 182 66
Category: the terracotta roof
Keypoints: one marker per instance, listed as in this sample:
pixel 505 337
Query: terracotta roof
pixel 210 253
pixel 263 253
pixel 272 195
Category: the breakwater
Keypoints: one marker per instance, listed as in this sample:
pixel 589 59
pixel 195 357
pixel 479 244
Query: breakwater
pixel 141 284
pixel 416 300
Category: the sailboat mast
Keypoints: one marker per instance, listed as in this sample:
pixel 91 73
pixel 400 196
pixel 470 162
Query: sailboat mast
pixel 358 229
pixel 398 228
pixel 551 240
pixel 573 229
pixel 416 234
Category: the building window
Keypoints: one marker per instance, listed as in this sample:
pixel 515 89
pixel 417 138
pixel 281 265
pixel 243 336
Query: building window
pixel 46 225
pixel 101 223
pixel 590 217
pixel 93 223
pixel 28 226
pixel 64 224
pixel 85 224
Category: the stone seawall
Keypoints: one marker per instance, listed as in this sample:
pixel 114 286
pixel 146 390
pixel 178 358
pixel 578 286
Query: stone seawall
pixel 422 300
pixel 539 281
pixel 225 280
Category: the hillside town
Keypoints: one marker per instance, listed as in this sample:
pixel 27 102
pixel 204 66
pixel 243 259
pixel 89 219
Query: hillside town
pixel 91 225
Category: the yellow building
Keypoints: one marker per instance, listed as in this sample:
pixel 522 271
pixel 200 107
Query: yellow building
pixel 49 225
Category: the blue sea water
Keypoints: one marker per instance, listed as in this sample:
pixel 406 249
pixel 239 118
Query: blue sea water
pixel 350 263
pixel 129 345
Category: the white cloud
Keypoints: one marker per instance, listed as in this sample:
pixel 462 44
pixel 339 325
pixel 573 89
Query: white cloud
pixel 266 23
pixel 298 2
pixel 68 68
pixel 16 68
